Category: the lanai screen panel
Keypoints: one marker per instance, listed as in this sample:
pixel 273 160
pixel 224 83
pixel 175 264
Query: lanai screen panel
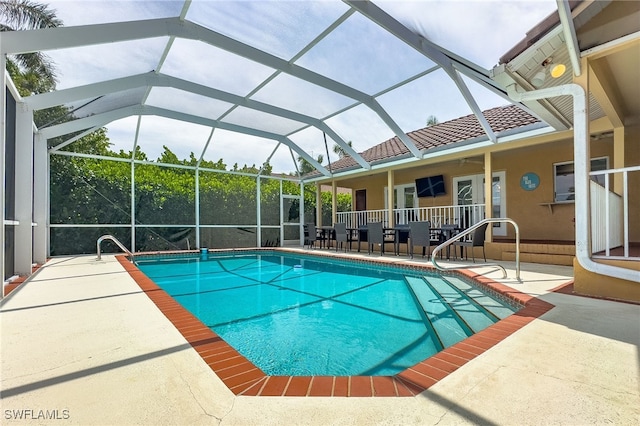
pixel 83 65
pixel 211 66
pixel 281 28
pixel 174 99
pixel 441 99
pixel 360 54
pixel 180 138
pixel 480 31
pixel 231 148
pixel 164 195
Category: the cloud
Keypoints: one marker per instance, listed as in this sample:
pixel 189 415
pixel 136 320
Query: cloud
pixel 479 30
pixel 361 54
pixel 298 95
pixel 90 64
pixel 84 12
pixel 282 28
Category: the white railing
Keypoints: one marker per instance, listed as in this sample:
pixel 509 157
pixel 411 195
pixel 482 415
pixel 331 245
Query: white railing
pixel 606 219
pixel 468 232
pixel 464 216
pixel 610 213
pixel 362 217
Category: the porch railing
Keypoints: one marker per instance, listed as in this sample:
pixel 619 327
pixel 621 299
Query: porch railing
pixel 610 214
pixel 464 216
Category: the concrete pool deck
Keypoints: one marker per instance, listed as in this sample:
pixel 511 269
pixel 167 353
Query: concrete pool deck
pixel 82 344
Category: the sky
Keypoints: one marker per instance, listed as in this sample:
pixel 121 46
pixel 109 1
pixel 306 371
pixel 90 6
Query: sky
pixel 357 53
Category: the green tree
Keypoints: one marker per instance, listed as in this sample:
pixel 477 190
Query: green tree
pixel 305 167
pixel 432 120
pixel 32 72
pixel 340 150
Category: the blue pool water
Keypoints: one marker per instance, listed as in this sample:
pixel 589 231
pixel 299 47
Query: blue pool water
pixel 305 315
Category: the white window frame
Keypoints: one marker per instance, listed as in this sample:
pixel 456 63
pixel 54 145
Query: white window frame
pixel 400 190
pixel 599 178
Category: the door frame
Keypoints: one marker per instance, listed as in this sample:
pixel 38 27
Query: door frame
pixel 478 195
pixel 399 201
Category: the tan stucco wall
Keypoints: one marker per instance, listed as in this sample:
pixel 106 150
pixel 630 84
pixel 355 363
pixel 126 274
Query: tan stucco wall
pixel 632 157
pixel 536 221
pixel 374 184
pixel 591 284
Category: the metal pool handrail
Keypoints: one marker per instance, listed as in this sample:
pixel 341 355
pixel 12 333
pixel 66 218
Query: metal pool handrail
pixel 115 240
pixel 469 231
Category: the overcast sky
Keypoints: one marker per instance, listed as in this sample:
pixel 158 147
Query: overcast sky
pixel 358 53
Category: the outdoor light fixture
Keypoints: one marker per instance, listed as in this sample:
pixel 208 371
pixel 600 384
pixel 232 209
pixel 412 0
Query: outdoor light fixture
pixel 556 71
pixel 538 79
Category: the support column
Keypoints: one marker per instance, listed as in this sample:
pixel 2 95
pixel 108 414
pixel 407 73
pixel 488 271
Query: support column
pixel 133 202
pixel 258 216
pixel 390 192
pixel 3 130
pixel 618 158
pixel 334 202
pixel 197 208
pixel 303 216
pixel 318 205
pixel 40 200
pixel 24 189
pixel 488 192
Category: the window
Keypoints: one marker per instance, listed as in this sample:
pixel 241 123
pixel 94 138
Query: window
pixel 563 175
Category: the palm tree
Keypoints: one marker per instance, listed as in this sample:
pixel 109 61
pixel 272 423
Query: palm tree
pixel 340 150
pixel 305 167
pixel 432 120
pixel 32 72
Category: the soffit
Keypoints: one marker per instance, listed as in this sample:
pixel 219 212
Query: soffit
pixel 597 23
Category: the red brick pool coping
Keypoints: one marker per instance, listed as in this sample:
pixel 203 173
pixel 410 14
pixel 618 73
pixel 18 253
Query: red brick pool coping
pixel 242 377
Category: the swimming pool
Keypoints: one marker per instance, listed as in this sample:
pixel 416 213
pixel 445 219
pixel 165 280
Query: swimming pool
pixel 303 315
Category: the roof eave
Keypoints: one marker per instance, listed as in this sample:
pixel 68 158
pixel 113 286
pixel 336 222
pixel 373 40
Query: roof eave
pixel 510 135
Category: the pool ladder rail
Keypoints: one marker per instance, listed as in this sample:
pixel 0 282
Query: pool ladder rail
pixel 115 240
pixel 469 231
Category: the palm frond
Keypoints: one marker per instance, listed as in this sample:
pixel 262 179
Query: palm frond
pixel 27 14
pixel 38 63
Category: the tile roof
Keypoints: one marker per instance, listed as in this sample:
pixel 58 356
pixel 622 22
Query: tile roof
pixel 461 129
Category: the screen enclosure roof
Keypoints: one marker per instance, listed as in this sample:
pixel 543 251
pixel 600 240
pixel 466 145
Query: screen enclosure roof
pixel 251 82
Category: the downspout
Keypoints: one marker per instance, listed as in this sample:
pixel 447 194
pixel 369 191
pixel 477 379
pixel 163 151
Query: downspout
pixel 581 160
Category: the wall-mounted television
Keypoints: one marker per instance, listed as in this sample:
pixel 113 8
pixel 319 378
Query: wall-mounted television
pixel 430 186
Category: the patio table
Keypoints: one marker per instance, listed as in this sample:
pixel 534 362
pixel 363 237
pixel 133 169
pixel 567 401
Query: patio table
pixel 328 233
pixel 360 233
pixel 401 236
pixel 445 232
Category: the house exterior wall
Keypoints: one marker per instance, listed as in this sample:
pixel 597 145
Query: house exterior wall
pixel 591 284
pixel 632 158
pixel 534 211
pixel 537 218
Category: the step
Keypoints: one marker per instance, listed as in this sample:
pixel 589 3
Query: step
pixel 448 327
pixel 542 248
pixel 545 258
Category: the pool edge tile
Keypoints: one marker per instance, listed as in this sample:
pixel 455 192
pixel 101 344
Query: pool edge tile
pixel 321 386
pixel 243 378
